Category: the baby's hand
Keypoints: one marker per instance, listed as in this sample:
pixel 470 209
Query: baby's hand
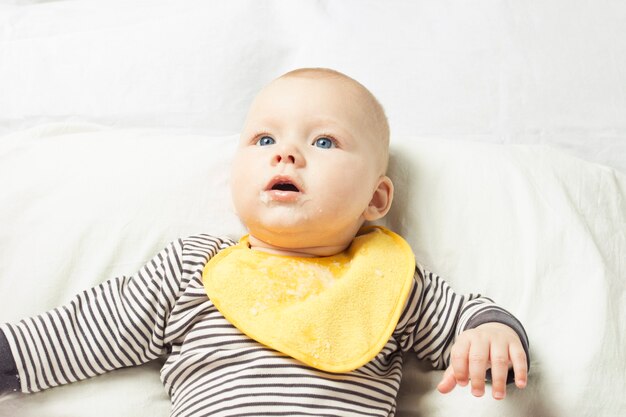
pixel 475 350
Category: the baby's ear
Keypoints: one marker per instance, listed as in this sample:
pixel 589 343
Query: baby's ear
pixel 381 200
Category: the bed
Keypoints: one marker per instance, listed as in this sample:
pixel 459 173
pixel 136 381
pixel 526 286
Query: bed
pixel 508 154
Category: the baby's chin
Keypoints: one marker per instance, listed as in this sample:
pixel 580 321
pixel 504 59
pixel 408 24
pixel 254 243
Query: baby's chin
pixel 283 223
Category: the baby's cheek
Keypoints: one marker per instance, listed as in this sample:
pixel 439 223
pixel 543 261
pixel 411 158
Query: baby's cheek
pixel 345 202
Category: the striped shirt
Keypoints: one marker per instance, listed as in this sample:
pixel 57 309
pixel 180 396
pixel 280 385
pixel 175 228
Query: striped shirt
pixel 212 369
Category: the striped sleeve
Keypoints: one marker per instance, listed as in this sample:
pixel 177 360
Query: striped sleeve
pixel 435 315
pixel 116 324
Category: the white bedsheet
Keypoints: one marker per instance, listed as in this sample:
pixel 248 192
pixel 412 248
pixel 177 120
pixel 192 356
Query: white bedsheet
pixel 540 232
pixel 503 72
pixel 103 103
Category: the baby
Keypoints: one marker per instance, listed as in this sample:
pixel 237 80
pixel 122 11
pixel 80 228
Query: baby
pixel 308 314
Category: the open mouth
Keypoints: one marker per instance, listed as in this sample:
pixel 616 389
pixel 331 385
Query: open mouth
pixel 285 186
pixel 283 183
pixel 283 189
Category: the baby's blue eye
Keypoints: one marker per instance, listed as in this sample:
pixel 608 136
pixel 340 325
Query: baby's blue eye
pixel 324 143
pixel 265 140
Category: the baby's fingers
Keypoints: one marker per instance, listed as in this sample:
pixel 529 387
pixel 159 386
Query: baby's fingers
pixel 520 365
pixel 448 382
pixel 478 362
pixel 499 370
pixel 459 360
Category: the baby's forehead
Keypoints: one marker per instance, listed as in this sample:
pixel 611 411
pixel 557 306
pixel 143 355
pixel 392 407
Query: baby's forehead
pixel 355 92
pixel 343 89
pixel 292 84
pixel 307 101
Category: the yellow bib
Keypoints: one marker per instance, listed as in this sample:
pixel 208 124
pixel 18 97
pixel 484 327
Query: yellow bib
pixel 333 313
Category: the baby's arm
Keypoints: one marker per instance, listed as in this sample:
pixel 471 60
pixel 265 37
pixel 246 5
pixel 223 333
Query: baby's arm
pixel 117 324
pixel 438 322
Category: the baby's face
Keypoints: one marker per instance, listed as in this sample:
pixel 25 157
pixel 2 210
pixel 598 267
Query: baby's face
pixel 308 163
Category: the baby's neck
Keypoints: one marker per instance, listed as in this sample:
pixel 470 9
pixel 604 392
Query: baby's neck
pixel 306 252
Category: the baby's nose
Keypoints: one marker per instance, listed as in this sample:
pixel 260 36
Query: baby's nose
pixel 288 155
pixel 286 158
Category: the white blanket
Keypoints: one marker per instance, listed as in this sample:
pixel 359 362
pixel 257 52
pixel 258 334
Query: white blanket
pixel 540 232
